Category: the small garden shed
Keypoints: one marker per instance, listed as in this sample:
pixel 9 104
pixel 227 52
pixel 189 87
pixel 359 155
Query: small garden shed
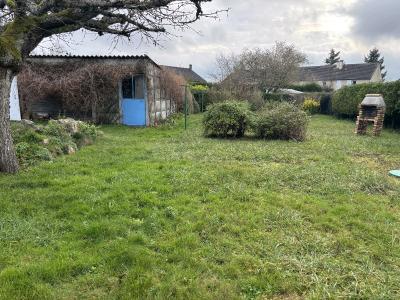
pixel 131 90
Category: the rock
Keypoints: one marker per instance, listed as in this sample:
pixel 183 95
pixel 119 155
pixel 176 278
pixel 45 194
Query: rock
pixel 71 150
pixel 27 123
pixel 30 124
pixel 70 125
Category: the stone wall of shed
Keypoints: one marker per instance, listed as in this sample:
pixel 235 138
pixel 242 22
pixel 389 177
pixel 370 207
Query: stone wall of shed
pixel 158 106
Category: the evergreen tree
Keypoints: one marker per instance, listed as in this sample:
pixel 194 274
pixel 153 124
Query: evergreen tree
pixel 333 58
pixel 374 56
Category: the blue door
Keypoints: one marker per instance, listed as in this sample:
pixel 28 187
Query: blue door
pixel 133 101
pixel 134 112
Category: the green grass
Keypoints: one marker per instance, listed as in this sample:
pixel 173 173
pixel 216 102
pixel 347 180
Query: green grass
pixel 163 213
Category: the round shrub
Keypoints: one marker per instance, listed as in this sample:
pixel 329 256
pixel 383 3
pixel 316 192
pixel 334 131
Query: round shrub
pixel 283 121
pixel 227 119
pixel 311 106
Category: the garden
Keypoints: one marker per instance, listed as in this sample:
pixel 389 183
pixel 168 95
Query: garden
pixel 158 213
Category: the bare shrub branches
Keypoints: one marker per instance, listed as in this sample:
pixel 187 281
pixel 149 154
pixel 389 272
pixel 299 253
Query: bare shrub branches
pixel 24 24
pixel 262 69
pixel 173 88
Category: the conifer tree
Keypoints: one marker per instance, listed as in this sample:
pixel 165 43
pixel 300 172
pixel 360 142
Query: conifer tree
pixel 374 56
pixel 334 57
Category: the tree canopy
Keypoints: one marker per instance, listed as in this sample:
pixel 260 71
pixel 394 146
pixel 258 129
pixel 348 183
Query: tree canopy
pixel 266 69
pixel 25 23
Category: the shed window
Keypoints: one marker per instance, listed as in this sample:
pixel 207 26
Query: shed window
pixel 139 86
pixel 128 88
pixel 133 88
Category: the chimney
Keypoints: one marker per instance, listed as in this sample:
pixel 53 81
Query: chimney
pixel 340 64
pixel 190 67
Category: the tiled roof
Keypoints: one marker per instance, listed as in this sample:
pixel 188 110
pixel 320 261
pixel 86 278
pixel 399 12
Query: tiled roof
pixel 332 73
pixel 188 74
pixel 94 57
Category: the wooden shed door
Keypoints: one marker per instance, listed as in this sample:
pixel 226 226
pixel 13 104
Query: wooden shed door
pixel 133 101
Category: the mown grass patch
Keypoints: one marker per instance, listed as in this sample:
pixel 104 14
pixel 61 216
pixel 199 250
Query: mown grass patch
pixel 163 213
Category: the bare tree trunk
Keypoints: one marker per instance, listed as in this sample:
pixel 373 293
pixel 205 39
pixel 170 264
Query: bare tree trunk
pixel 8 158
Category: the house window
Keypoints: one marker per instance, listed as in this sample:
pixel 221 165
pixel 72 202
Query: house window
pixel 354 82
pixel 324 84
pixel 133 87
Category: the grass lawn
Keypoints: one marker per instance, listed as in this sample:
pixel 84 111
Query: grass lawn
pixel 163 213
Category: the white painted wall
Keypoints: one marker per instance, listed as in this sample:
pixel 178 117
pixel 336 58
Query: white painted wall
pixel 15 112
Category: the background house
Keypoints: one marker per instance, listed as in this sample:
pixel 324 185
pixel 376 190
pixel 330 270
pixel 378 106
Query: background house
pixel 188 74
pixel 340 74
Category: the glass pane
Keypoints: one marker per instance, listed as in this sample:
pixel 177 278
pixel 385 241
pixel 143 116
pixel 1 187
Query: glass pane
pixel 139 88
pixel 127 88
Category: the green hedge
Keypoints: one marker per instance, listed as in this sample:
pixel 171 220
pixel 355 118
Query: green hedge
pixel 307 88
pixel 347 100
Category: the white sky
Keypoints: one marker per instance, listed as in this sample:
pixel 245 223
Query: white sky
pixel 313 26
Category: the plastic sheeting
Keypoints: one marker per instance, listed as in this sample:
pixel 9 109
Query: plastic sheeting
pixel 15 112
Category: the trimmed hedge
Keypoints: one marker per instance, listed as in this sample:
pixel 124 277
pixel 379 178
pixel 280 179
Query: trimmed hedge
pixel 347 100
pixel 227 119
pixel 307 88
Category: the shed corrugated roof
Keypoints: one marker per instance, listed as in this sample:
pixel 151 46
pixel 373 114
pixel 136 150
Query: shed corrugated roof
pixel 187 73
pixel 332 73
pixel 94 57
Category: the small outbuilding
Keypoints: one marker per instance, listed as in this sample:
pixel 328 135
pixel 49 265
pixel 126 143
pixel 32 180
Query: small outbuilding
pixel 130 90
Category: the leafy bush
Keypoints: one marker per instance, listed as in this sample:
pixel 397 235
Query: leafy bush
pixel 311 106
pixel 54 128
pixel 199 88
pixel 282 121
pixel 346 100
pixel 278 97
pixel 29 153
pixel 307 88
pixel 25 134
pixel 86 135
pixel 227 119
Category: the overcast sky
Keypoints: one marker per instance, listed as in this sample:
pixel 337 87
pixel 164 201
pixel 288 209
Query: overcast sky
pixel 313 26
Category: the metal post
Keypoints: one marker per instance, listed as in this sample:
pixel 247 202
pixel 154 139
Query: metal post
pixel 186 107
pixel 202 101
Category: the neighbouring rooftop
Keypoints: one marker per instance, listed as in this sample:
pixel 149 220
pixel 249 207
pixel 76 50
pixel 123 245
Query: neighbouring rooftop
pixel 188 73
pixel 363 71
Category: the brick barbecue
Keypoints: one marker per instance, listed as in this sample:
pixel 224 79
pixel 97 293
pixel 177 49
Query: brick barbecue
pixel 372 110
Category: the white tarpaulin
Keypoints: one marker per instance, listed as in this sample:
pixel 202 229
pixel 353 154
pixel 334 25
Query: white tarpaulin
pixel 15 112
